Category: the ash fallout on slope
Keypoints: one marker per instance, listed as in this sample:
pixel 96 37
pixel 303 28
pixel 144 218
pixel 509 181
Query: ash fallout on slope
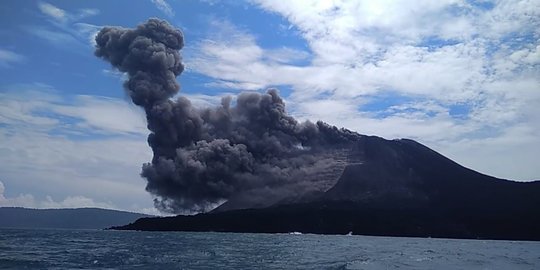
pixel 253 152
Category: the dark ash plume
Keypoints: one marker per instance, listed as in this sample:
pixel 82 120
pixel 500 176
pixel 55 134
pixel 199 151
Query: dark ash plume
pixel 250 154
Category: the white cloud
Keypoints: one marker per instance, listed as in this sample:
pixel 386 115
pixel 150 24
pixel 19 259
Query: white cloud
pixel 164 7
pixel 105 114
pixel 66 31
pixel 89 146
pixel 285 55
pixel 510 155
pixel 28 201
pixel 63 16
pixel 232 57
pixel 204 101
pixel 23 200
pixel 437 54
pixel 78 201
pixel 18 109
pixel 52 11
pixel 87 12
pixel 92 167
pixel 115 73
pixel 94 114
pixel 74 202
pixel 8 58
pixel 88 30
pixel 57 38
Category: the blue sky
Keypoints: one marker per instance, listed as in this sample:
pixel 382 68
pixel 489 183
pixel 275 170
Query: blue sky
pixel 460 76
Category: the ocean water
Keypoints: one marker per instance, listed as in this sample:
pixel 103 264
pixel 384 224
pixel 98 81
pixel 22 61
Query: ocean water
pixel 96 249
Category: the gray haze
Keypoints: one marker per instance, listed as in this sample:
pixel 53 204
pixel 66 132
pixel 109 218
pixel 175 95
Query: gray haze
pixel 249 151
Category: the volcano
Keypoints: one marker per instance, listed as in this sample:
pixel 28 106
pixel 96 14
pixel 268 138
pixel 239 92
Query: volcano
pixel 268 172
pixel 383 187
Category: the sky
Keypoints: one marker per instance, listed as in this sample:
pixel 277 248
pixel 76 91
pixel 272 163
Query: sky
pixel 460 76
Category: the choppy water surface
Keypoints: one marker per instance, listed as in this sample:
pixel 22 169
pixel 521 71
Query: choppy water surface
pixel 65 249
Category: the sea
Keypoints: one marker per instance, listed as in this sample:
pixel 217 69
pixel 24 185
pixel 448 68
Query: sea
pixel 104 249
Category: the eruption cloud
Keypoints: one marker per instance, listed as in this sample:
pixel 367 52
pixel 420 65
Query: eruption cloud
pixel 247 153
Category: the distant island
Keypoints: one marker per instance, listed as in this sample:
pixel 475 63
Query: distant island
pixel 77 218
pixel 391 188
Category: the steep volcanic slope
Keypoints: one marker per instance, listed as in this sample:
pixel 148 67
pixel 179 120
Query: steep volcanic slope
pixel 390 187
pixel 331 164
pixel 407 171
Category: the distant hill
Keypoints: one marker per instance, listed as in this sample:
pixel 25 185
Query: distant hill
pixel 78 218
pixel 389 187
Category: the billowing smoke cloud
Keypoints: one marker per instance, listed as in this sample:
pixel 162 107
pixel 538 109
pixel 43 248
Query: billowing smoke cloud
pixel 249 152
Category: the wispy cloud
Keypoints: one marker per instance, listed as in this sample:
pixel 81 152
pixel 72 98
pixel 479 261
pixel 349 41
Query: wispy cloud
pixel 8 58
pixel 164 7
pixel 88 114
pixel 88 31
pixel 64 29
pixel 63 16
pixel 108 115
pixel 52 11
pixel 57 38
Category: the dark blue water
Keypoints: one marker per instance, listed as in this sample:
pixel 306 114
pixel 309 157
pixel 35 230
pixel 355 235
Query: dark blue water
pixel 90 249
